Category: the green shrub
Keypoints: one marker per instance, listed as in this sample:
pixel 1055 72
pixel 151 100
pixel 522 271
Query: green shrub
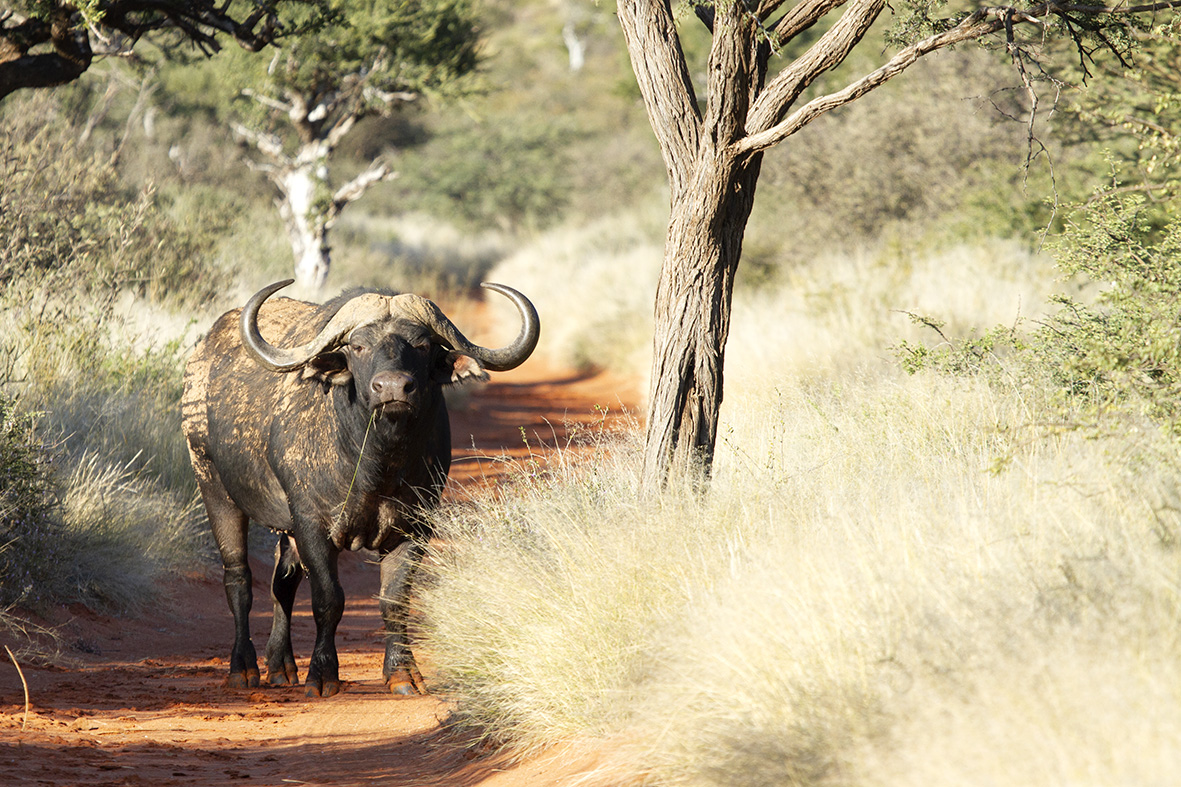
pixel 26 507
pixel 97 494
pixel 490 175
pixel 69 222
pixel 1110 357
pixel 1124 350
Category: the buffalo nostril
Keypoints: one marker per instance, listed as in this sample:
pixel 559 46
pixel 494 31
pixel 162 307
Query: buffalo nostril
pixel 392 386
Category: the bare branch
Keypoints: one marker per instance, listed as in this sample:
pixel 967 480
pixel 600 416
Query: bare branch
pixel 267 101
pixel 663 77
pixel 352 191
pixel 832 48
pixel 984 21
pixel 390 97
pixel 768 7
pixel 802 17
pixel 268 144
pixel 340 129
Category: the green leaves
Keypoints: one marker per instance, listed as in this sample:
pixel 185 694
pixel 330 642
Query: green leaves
pixel 403 46
pixel 1125 349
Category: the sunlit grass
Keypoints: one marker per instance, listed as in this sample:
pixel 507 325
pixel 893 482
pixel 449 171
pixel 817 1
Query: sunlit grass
pixel 595 285
pixel 107 512
pixel 893 580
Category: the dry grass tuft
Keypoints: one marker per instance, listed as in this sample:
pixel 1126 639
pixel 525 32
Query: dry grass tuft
pixel 892 581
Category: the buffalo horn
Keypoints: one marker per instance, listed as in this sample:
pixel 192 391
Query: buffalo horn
pixel 371 307
pixel 427 314
pixel 358 311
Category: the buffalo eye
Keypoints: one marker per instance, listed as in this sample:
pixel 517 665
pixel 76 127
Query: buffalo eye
pixel 358 349
pixel 423 348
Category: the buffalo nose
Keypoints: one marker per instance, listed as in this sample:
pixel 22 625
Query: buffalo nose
pixel 392 386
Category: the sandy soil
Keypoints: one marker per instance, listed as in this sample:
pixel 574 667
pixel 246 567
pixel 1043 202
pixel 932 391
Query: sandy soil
pixel 142 701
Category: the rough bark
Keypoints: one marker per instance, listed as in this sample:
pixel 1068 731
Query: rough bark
pixel 712 196
pixel 692 319
pixel 70 58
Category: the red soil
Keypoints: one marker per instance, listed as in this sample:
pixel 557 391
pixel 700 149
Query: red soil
pixel 143 701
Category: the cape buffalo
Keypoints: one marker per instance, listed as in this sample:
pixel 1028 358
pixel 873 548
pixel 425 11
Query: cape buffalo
pixel 337 442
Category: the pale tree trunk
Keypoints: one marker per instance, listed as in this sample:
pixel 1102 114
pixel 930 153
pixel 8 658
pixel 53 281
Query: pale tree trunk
pixel 310 208
pixel 307 202
pixel 305 206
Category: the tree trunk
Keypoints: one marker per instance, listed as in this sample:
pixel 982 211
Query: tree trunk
pixel 692 318
pixel 713 187
pixel 305 203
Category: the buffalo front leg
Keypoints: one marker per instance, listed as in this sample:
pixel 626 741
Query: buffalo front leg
pixel 285 580
pixel 397 570
pixel 319 560
pixel 229 526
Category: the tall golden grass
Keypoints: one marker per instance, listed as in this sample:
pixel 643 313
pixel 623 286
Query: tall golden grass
pixel 893 580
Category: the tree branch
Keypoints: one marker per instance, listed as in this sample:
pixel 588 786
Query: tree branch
pixel 70 58
pixel 832 48
pixel 340 129
pixel 984 21
pixel 268 144
pixel 267 101
pixel 663 77
pixel 352 191
pixel 803 16
pixel 768 7
pixel 61 26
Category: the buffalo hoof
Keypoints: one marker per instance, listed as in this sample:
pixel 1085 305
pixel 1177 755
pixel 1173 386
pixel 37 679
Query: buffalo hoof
pixel 326 689
pixel 288 676
pixel 404 683
pixel 243 680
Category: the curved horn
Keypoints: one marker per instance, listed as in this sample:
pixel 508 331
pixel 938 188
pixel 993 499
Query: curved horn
pixel 498 360
pixel 358 311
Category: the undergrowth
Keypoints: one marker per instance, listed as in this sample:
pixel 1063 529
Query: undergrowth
pixel 881 563
pixel 83 529
pixel 97 497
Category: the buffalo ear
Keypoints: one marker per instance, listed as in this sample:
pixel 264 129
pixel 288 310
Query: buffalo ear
pixel 330 368
pixel 459 368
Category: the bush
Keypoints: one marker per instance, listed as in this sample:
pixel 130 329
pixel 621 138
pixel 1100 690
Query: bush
pixel 492 176
pixel 97 492
pixel 1111 358
pixel 1124 350
pixel 68 221
pixel 83 530
pixel 26 506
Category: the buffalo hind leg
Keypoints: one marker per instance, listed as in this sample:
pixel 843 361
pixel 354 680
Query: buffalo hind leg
pixel 280 657
pixel 319 560
pixel 397 570
pixel 229 526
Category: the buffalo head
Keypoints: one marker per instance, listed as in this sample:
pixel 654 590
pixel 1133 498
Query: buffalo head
pixel 391 348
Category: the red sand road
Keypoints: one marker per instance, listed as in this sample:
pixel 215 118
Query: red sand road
pixel 143 701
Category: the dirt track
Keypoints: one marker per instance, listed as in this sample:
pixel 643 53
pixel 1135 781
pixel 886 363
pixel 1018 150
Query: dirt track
pixel 143 701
